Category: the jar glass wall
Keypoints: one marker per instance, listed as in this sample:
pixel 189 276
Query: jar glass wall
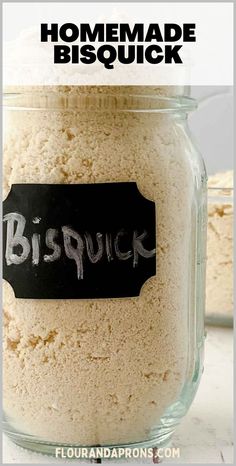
pixel 112 371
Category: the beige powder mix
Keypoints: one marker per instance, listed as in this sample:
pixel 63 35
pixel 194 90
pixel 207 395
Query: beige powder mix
pixel 101 371
pixel 219 282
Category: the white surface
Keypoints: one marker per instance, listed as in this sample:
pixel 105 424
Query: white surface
pixel 205 435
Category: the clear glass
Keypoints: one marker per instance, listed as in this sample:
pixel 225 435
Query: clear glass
pixel 219 271
pixel 110 372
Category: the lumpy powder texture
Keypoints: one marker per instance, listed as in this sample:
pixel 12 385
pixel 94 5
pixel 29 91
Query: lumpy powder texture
pixel 101 371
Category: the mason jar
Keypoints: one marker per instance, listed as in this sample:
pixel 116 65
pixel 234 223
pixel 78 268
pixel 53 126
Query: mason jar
pixel 104 231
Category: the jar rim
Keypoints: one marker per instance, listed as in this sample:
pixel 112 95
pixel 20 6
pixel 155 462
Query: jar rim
pixel 98 102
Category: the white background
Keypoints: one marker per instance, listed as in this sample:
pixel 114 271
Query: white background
pixel 212 126
pixel 208 61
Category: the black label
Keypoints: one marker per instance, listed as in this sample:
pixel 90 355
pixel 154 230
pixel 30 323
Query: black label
pixel 78 240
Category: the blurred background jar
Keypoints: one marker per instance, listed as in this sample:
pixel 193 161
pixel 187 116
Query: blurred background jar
pixel 219 277
pixel 212 126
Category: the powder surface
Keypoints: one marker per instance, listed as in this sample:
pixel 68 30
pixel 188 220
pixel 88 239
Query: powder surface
pixel 219 283
pixel 102 371
pixel 163 91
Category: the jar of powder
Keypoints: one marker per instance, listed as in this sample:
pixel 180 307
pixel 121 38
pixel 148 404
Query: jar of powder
pixel 104 228
pixel 219 272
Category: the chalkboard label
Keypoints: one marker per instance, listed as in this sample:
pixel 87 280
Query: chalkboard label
pixel 78 241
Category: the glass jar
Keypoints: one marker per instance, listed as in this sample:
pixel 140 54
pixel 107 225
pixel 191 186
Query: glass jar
pixel 219 271
pixel 102 363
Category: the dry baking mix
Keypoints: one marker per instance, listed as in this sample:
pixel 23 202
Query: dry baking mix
pixel 104 233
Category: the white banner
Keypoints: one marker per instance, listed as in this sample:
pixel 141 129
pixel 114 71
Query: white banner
pixel 118 43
